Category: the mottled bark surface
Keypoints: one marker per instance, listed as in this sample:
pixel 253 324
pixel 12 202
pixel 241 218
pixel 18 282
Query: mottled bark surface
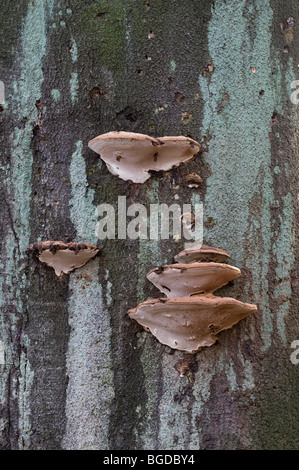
pixel 78 374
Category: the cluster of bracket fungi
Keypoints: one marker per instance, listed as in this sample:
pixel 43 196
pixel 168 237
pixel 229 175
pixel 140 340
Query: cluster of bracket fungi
pixel 190 316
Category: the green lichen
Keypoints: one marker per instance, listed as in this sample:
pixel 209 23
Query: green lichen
pixel 26 92
pixel 90 389
pixel 239 150
pixel 74 51
pixel 284 253
pixel 74 87
pixel 172 66
pixel 74 80
pixel 2 354
pixel 55 95
pixel 240 190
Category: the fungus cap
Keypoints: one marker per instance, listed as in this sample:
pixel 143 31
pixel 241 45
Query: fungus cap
pixel 193 180
pixel 205 253
pixel 191 323
pixel 131 156
pixel 64 257
pixel 178 280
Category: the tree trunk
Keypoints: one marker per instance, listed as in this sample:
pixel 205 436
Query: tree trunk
pixel 77 372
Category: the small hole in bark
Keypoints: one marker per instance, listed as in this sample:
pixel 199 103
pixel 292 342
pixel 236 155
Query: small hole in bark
pixel 274 118
pixel 261 93
pixel 35 130
pixel 101 13
pixel 96 92
pixel 127 115
pixel 180 97
pixel 131 117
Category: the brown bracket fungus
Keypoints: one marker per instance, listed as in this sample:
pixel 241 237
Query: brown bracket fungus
pixel 132 156
pixel 178 280
pixel 191 323
pixel 190 317
pixel 64 257
pixel 193 180
pixel 205 253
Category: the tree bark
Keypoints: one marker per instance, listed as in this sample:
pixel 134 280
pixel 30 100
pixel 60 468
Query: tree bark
pixel 78 373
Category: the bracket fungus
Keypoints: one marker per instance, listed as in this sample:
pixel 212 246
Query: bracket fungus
pixel 205 253
pixel 64 257
pixel 132 156
pixel 190 316
pixel 190 323
pixel 193 180
pixel 180 280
